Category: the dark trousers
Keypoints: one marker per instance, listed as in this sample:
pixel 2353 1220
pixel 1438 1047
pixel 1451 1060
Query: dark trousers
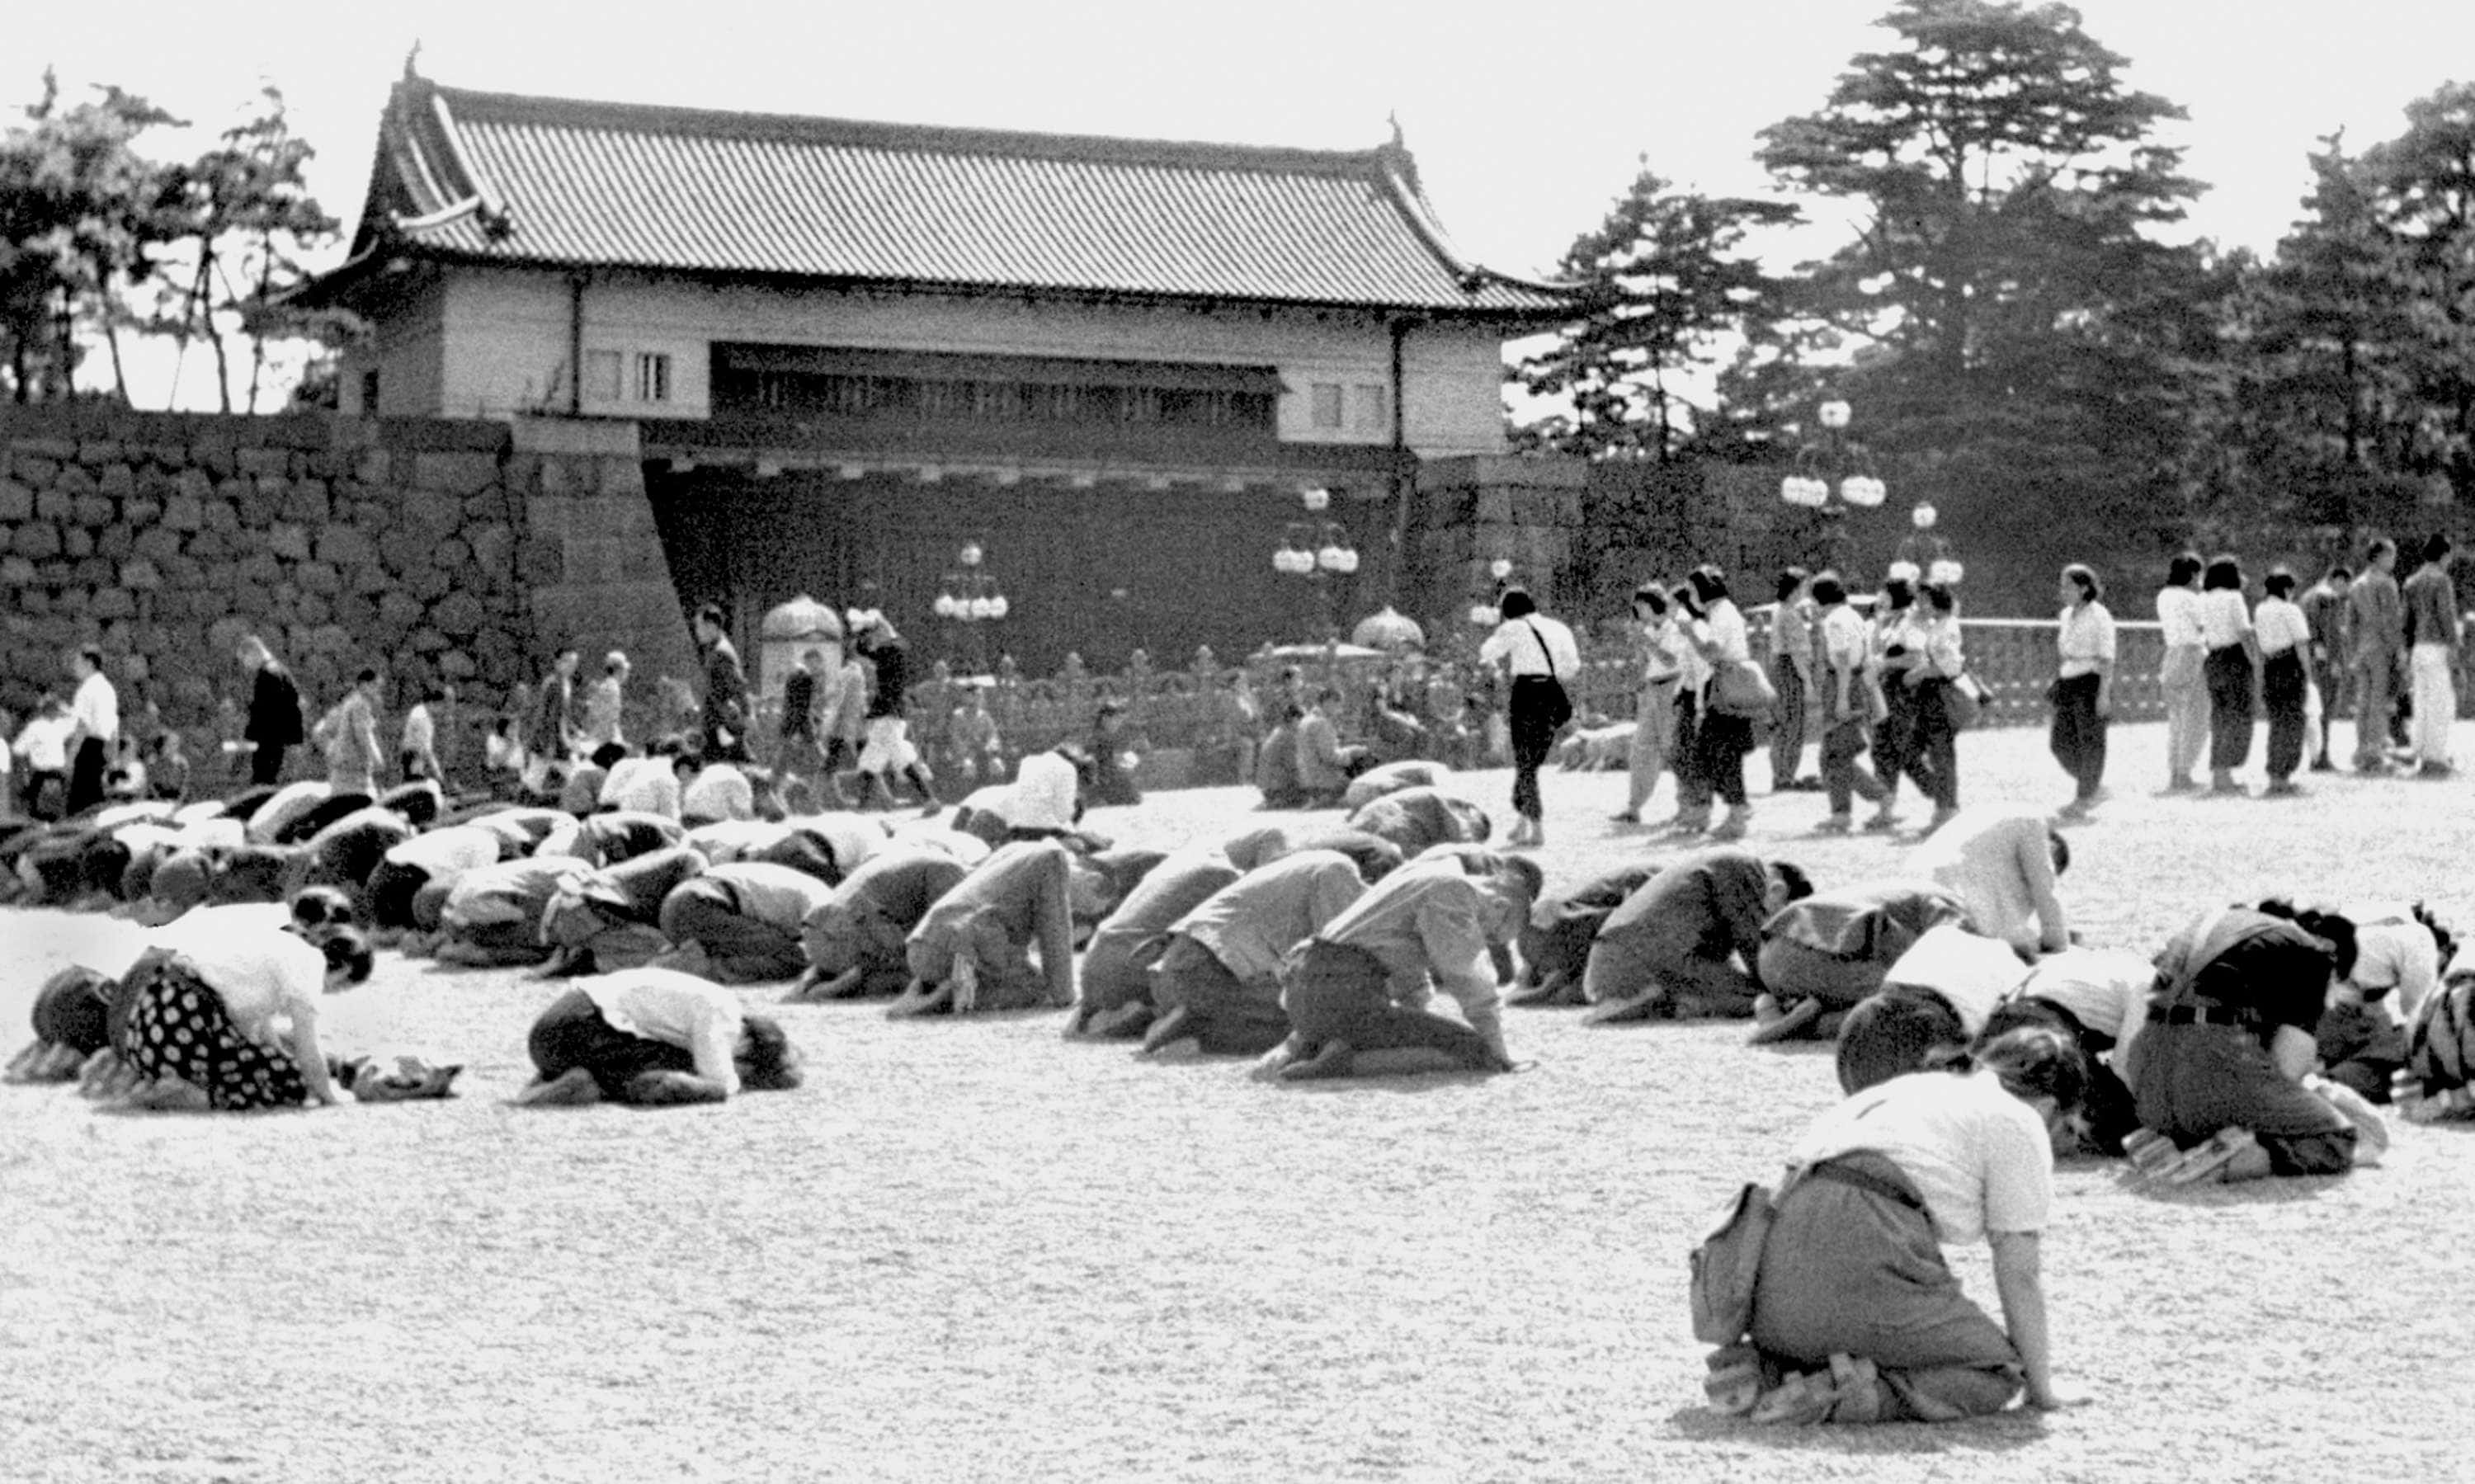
pixel 1897 748
pixel 1787 722
pixel 571 1033
pixel 1533 737
pixel 1337 993
pixel 2282 685
pixel 1843 765
pixel 2078 736
pixel 2228 673
pixel 266 764
pixel 1720 743
pixel 85 775
pixel 1227 1015
pixel 1692 784
pixel 1919 728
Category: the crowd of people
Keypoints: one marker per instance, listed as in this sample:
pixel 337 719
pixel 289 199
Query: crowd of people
pixel 1976 1035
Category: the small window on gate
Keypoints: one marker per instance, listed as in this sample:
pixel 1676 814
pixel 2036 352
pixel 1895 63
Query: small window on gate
pixel 652 376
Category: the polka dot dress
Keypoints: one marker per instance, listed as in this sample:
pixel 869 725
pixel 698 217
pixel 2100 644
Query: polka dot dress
pixel 178 1027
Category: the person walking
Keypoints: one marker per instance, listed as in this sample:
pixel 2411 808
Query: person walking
pixel 1791 654
pixel 606 702
pixel 349 736
pixel 2284 636
pixel 2376 631
pixel 1720 740
pixel 2232 668
pixel 1692 678
pixel 1537 652
pixel 723 716
pixel 1653 715
pixel 2083 693
pixel 2430 599
pixel 2324 615
pixel 553 736
pixel 94 728
pixel 1851 701
pixel 274 725
pixel 2180 675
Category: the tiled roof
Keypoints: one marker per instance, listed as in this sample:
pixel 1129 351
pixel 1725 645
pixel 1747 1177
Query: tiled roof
pixel 503 177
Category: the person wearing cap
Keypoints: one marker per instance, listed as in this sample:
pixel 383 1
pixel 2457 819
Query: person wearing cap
pixel 1216 985
pixel 1361 983
pixel 725 715
pixel 972 949
pixel 653 1037
pixel 1675 942
pixel 887 749
pixel 605 700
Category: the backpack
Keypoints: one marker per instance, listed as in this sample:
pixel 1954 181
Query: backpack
pixel 2441 1045
pixel 1725 1266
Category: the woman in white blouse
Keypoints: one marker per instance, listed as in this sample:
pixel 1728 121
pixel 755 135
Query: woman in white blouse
pixel 1654 725
pixel 2233 656
pixel 1716 630
pixel 2083 693
pixel 1919 664
pixel 2285 638
pixel 1541 657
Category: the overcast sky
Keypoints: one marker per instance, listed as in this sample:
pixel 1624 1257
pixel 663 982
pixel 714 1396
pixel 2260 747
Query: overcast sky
pixel 1527 119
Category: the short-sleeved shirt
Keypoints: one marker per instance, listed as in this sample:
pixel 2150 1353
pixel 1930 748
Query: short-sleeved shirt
pixel 2105 989
pixel 257 968
pixel 1974 973
pixel 1533 644
pixel 1980 1158
pixel 2084 639
pixel 96 707
pixel 677 1010
pixel 2431 602
pixel 2374 615
pixel 2223 619
pixel 2178 617
pixel 1992 855
pixel 2281 627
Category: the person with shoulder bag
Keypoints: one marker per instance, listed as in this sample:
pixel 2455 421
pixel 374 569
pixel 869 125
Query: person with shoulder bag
pixel 1538 652
pixel 1918 683
pixel 1736 693
pixel 1654 727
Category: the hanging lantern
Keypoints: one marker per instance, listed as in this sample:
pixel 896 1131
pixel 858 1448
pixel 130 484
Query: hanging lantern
pixel 997 606
pixel 1333 558
pixel 1945 573
pixel 1922 517
pixel 1316 498
pixel 1500 569
pixel 944 606
pixel 1863 490
pixel 1834 414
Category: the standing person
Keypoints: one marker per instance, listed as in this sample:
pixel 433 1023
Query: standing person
pixel 800 747
pixel 2324 613
pixel 1692 678
pixel 274 723
pixel 2284 636
pixel 1654 717
pixel 2376 630
pixel 1539 655
pixel 417 748
pixel 1791 652
pixel 888 747
pixel 2233 661
pixel 350 736
pixel 2181 673
pixel 94 728
pixel 2083 686
pixel 604 702
pixel 723 716
pixel 42 749
pixel 1720 741
pixel 1930 662
pixel 1842 644
pixel 554 734
pixel 2430 603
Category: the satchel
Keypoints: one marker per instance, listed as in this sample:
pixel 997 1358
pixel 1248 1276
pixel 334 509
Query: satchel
pixel 1738 688
pixel 1964 699
pixel 1725 1266
pixel 1559 705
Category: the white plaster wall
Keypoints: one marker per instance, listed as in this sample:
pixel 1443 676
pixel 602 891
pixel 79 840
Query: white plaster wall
pixel 407 349
pixel 508 334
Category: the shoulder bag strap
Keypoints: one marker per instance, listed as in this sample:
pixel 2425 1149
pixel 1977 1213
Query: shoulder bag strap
pixel 1550 654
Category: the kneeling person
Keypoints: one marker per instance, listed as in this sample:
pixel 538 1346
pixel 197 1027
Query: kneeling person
pixel 652 1036
pixel 1674 945
pixel 973 950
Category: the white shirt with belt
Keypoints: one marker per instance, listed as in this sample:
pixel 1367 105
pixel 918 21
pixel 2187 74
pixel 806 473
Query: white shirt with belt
pixel 2281 627
pixel 1534 645
pixel 2085 638
pixel 95 708
pixel 2223 619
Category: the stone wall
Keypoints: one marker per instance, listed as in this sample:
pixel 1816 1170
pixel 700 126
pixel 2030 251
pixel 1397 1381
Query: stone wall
pixel 417 547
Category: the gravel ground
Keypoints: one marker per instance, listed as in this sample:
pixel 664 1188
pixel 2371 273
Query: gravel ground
pixel 974 1252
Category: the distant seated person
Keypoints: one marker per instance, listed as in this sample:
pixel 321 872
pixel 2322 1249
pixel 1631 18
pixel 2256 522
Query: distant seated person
pixel 226 1014
pixel 1325 767
pixel 1114 984
pixel 1276 761
pixel 580 793
pixel 1555 948
pixel 713 791
pixel 434 855
pixel 1358 991
pixel 644 784
pixel 2390 957
pixel 168 772
pixel 1215 986
pixel 1115 754
pixel 1391 778
pixel 1417 818
pixel 973 949
pixel 2097 999
pixel 975 752
pixel 2003 863
pixel 746 916
pixel 1394 733
pixel 124 779
pixel 857 940
pixel 1821 954
pixel 1674 947
pixel 654 1037
pixel 2222 1070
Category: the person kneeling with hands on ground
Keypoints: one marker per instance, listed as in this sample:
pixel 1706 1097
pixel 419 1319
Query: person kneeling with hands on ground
pixel 654 1037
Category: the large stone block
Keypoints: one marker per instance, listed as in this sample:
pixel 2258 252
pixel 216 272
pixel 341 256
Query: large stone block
pixel 40 473
pixel 290 542
pixel 459 615
pixel 493 547
pixel 98 451
pixel 74 481
pixel 305 499
pixel 17 500
pixel 119 481
pixel 400 552
pixel 354 611
pixel 269 463
pixel 310 608
pixel 140 575
pixel 141 511
pixel 318 577
pixel 57 449
pixel 345 546
pixel 459 475
pixel 397 610
pixel 112 603
pixel 366 578
pixel 451 554
pixel 222 515
pixel 542 563
pixel 213 546
pixel 429 583
pixel 37 539
pixel 114 541
pixel 425 641
pixel 15 571
pixel 92 570
pixel 54 504
pixel 77 538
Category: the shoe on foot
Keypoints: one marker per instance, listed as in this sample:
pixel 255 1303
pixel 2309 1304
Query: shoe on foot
pixel 1799 1401
pixel 573 1087
pixel 2150 1151
pixel 1626 816
pixel 1690 822
pixel 1117 1022
pixel 1790 1024
pixel 2206 1163
pixel 1734 826
pixel 1330 1059
pixel 1170 1026
pixel 1883 823
pixel 1735 1379
pixel 1941 818
pixel 1856 1383
pixel 1835 824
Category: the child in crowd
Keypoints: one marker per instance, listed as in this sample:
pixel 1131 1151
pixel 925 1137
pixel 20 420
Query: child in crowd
pixel 168 774
pixel 504 759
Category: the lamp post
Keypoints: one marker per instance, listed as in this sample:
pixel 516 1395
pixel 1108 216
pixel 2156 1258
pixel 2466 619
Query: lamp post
pixel 1316 550
pixel 1834 475
pixel 968 597
pixel 1925 556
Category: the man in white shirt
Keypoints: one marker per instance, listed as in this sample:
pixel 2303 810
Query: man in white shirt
pixel 642 785
pixel 43 747
pixel 1540 655
pixel 94 727
pixel 719 790
pixel 654 1036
